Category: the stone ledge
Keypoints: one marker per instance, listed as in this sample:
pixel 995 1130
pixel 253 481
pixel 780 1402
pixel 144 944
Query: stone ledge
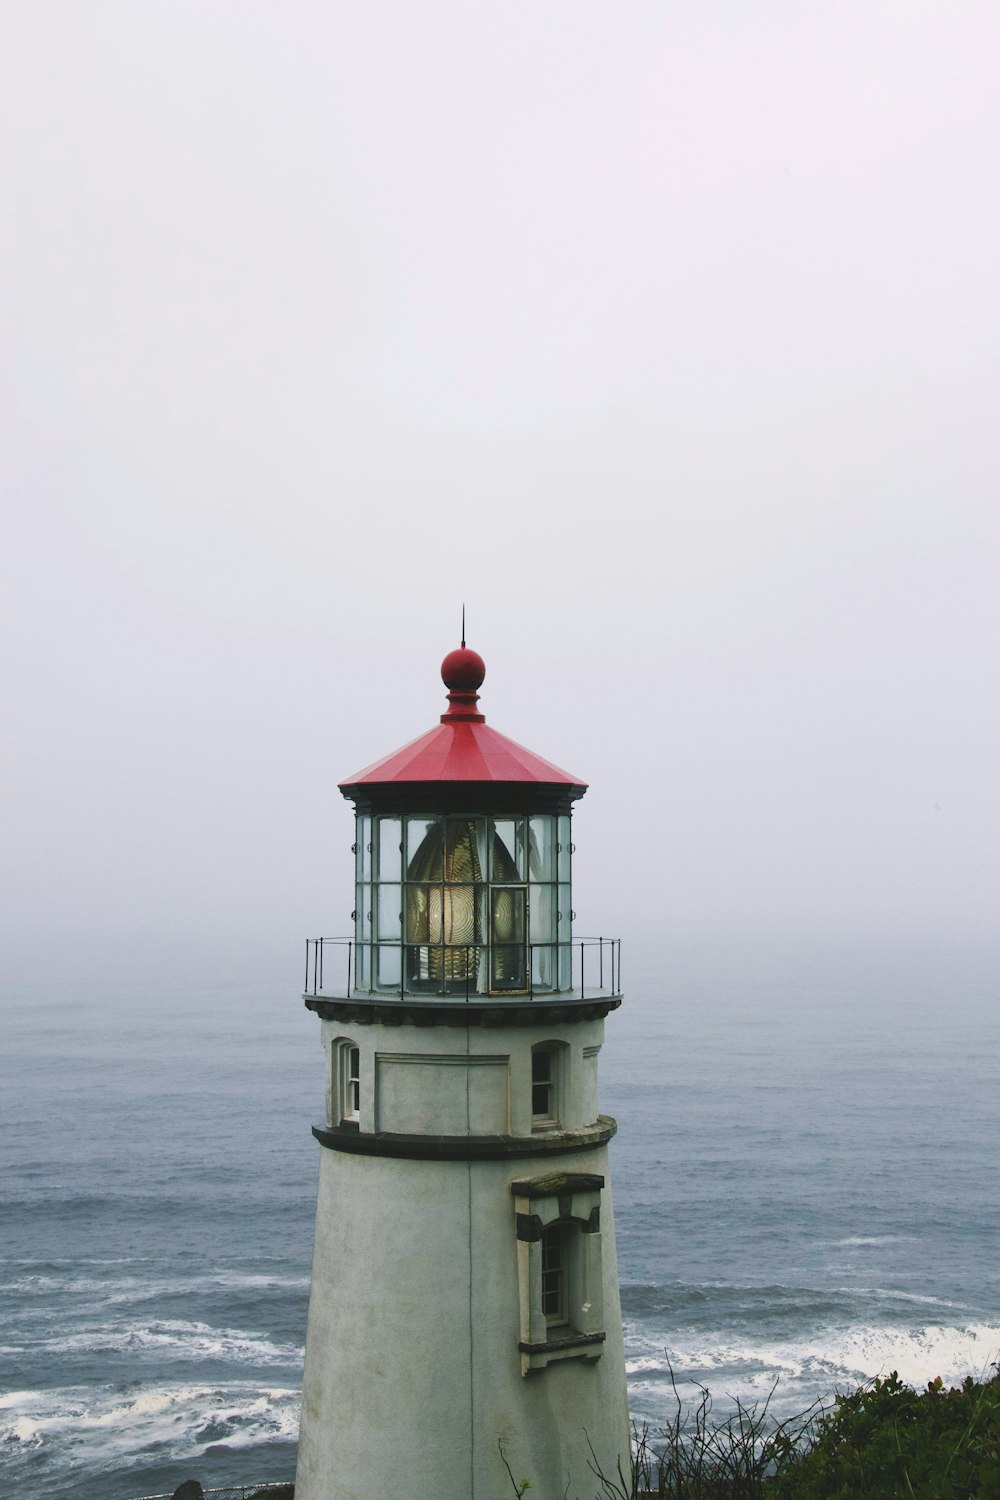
pixel 485 1013
pixel 464 1147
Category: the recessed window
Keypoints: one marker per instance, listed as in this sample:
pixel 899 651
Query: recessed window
pixel 542 1084
pixel 350 1081
pixel 554 1275
pixel 549 1073
pixel 559 1268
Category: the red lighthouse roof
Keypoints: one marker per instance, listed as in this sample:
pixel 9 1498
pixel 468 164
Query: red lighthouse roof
pixel 462 748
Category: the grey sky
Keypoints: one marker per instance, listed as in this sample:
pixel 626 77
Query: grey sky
pixel 664 335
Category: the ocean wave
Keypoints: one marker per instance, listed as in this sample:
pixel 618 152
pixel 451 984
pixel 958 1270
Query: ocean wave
pixel 142 1286
pixel 860 1241
pixel 183 1339
pixel 824 1360
pixel 187 1418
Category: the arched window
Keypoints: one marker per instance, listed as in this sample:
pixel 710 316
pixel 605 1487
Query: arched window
pixel 348 1081
pixel 548 1084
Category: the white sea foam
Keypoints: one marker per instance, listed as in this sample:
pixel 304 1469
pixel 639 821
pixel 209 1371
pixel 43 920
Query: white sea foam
pixel 182 1339
pixel 830 1358
pixel 142 1287
pixel 189 1418
pixel 859 1241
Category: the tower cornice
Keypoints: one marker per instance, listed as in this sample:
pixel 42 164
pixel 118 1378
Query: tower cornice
pixel 465 1147
pixel 472 1013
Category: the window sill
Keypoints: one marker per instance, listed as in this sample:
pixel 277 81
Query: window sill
pixel 568 1344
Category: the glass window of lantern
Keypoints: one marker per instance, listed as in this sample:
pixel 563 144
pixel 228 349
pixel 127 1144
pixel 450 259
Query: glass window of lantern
pixel 542 921
pixel 507 935
pixel 543 966
pixel 388 848
pixel 565 847
pixel 465 851
pixel 389 958
pixel 541 848
pixel 423 853
pixel 363 828
pixel 388 912
pixel 565 919
pixel 417 914
pixel 508 849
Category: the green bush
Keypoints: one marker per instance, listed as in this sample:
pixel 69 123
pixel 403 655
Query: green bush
pixel 889 1442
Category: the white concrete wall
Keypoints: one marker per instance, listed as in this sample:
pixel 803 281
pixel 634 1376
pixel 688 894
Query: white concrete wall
pixel 417 1075
pixel 413 1373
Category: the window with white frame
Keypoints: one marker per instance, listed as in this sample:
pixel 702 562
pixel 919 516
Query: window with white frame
pixel 560 1268
pixel 349 1081
pixel 548 1070
pixel 554 1275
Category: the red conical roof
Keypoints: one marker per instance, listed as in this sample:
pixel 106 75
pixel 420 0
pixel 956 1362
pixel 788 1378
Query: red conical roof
pixel 462 747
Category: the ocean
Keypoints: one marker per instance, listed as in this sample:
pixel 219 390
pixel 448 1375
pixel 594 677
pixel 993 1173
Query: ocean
pixel 805 1177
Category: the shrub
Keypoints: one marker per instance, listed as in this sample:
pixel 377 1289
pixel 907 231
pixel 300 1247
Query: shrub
pixel 888 1442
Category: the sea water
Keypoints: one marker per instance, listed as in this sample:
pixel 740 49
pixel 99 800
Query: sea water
pixel 806 1189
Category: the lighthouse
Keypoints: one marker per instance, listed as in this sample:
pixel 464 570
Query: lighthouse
pixel 464 1321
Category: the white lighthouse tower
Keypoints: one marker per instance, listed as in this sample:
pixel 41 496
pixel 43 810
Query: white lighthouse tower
pixel 464 1309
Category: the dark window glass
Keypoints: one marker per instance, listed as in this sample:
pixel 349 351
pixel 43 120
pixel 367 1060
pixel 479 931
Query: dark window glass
pixel 554 1274
pixel 541 1083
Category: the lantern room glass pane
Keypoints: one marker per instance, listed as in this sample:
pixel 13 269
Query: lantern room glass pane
pixel 388 911
pixel 564 848
pixel 465 850
pixel 453 915
pixel 389 967
pixel 424 849
pixel 542 916
pixel 364 837
pixel 362 967
pixel 360 907
pixel 389 856
pixel 543 966
pixel 418 905
pixel 542 848
pixel 508 849
pixel 507 922
pixel 565 919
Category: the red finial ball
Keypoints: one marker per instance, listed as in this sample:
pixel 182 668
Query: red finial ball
pixel 463 670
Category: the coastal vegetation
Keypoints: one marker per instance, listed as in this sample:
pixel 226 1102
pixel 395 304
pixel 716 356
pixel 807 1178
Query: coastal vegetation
pixel 884 1441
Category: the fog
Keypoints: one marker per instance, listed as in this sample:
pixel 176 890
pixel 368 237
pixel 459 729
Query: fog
pixel 663 336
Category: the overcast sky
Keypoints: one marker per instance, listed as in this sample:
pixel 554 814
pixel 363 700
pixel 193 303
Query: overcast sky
pixel 663 335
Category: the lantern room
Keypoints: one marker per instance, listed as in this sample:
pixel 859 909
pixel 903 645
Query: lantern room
pixel 463 871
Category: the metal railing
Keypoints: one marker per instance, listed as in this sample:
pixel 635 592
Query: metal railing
pixel 577 969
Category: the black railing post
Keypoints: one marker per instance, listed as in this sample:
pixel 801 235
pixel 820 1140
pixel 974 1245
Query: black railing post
pixel 306 985
pixel 600 972
pixel 322 951
pixel 583 951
